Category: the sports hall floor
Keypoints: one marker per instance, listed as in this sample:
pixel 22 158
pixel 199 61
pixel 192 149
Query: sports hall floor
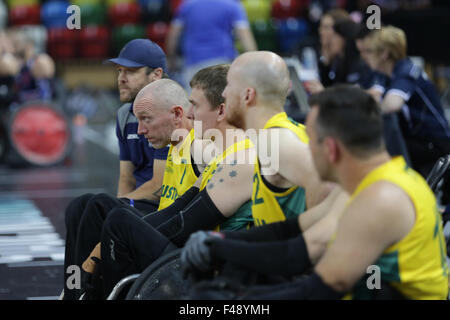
pixel 32 204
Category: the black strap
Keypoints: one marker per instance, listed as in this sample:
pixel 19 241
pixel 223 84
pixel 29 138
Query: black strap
pixel 159 217
pixel 285 258
pixel 282 230
pixel 200 214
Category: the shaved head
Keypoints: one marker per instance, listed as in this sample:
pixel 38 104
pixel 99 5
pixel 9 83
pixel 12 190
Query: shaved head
pixel 160 107
pixel 266 72
pixel 257 78
pixel 164 93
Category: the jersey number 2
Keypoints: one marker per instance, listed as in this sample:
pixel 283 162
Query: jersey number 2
pixel 257 200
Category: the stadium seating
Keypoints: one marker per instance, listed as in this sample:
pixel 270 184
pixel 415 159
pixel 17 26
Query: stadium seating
pixel 123 34
pixel 109 3
pixel 157 32
pixel 21 3
pixel 3 15
pixel 86 2
pixel 62 43
pixel 290 32
pixel 25 15
pixel 54 14
pixel 284 9
pixel 94 42
pixel 155 10
pixel 276 24
pixel 265 35
pixel 257 9
pixel 93 14
pixel 124 13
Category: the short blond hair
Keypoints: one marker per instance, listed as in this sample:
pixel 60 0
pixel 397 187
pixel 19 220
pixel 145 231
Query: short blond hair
pixel 391 39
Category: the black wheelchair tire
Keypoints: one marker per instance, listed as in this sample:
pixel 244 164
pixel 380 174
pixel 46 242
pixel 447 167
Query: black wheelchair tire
pixel 138 286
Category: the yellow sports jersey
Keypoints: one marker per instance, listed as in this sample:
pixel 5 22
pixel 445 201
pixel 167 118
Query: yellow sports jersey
pixel 269 203
pixel 243 216
pixel 416 266
pixel 179 174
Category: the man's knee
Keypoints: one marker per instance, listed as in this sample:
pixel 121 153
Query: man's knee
pixel 102 203
pixel 75 209
pixel 117 218
pixel 103 198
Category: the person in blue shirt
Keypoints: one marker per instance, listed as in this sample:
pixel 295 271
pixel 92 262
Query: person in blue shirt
pixel 205 29
pixel 139 63
pixel 410 94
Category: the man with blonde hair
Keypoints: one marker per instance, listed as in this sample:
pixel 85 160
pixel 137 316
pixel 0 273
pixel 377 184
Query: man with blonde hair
pixel 411 95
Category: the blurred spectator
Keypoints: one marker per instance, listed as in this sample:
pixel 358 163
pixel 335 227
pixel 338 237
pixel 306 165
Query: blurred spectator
pixel 9 68
pixel 33 78
pixel 9 64
pixel 340 61
pixel 326 30
pixel 206 28
pixel 318 7
pixel 412 96
pixel 394 140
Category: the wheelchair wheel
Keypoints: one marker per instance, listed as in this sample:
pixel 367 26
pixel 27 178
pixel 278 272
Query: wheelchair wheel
pixel 162 280
pixel 39 134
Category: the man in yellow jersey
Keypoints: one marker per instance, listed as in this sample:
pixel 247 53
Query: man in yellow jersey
pixel 126 237
pixel 161 108
pixel 389 241
pixel 286 183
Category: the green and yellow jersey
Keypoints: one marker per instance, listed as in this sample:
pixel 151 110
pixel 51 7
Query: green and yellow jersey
pixel 179 174
pixel 243 216
pixel 416 266
pixel 270 203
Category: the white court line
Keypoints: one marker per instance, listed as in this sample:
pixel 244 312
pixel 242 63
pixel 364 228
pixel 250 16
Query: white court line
pixel 44 298
pixel 41 178
pixel 29 264
pixel 29 237
pixel 52 193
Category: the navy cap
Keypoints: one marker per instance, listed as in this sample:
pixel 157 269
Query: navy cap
pixel 141 53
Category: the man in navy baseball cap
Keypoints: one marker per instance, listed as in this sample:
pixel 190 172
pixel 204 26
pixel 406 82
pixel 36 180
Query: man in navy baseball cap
pixel 140 62
pixel 141 53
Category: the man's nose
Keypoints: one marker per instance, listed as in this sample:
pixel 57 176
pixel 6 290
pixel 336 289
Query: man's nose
pixel 121 77
pixel 141 128
pixel 190 113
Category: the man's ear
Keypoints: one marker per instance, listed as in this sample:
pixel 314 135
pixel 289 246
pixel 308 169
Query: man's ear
pixel 385 55
pixel 221 115
pixel 156 74
pixel 250 96
pixel 178 113
pixel 332 149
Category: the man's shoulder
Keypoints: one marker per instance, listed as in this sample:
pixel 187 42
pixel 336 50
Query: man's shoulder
pixel 124 116
pixel 387 198
pixel 124 109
